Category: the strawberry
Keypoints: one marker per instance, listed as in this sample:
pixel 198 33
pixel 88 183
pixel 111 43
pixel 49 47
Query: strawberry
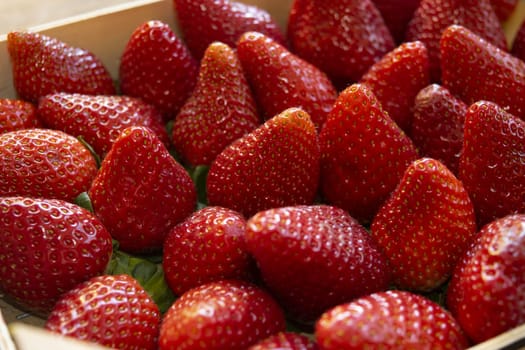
pixel 108 310
pixel 207 246
pixel 17 114
pixel 492 164
pixel 486 291
pixel 504 8
pixel 158 67
pixel 343 38
pixel 314 257
pixel 432 17
pixel 518 44
pixel 363 153
pixel 475 70
pixel 437 125
pixel 56 246
pixel 44 163
pixel 140 191
pixel 275 165
pixel 220 110
pixel 226 314
pixel 282 80
pixel 389 320
pixel 286 341
pixel 207 21
pixel 397 15
pixel 42 65
pixel 100 119
pixel 425 226
pixel 397 78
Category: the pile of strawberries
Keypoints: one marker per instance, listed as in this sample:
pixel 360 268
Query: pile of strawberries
pixel 358 182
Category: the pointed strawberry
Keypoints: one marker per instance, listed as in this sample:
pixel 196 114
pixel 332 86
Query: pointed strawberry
pixel 475 70
pixel 437 125
pixel 363 153
pixel 486 291
pixel 432 17
pixel 206 21
pixel 397 15
pixel 99 119
pixel 425 226
pixel 504 8
pixel 389 320
pixel 226 314
pixel 110 311
pixel 286 341
pixel 17 114
pixel 275 165
pixel 492 164
pixel 157 66
pixel 44 163
pixel 42 65
pixel 282 80
pixel 140 191
pixel 315 257
pixel 343 38
pixel 397 78
pixel 220 110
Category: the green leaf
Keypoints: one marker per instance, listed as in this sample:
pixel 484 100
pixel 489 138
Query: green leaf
pixel 84 201
pixel 91 150
pixel 199 175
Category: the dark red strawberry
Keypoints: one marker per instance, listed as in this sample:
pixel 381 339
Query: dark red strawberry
pixel 110 311
pixel 475 70
pixel 275 165
pixel 437 125
pixel 141 192
pixel 343 38
pixel 281 80
pixel 492 164
pixel 208 246
pixel 100 119
pixel 207 21
pixel 397 15
pixel 286 341
pixel 17 114
pixel 389 320
pixel 42 65
pixel 48 247
pixel 44 163
pixel 157 67
pixel 221 315
pixel 433 16
pixel 504 8
pixel 486 291
pixel 220 110
pixel 518 44
pixel 363 153
pixel 425 226
pixel 315 257
pixel 397 78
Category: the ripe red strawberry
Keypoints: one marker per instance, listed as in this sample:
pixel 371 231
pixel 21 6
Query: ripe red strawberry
pixel 486 291
pixel 140 191
pixel 275 165
pixel 425 226
pixel 432 17
pixel 504 8
pixel 315 257
pixel 281 80
pixel 99 119
pixel 207 246
pixel 397 15
pixel 437 125
pixel 286 341
pixel 389 320
pixel 343 38
pixel 397 78
pixel 207 21
pixel 518 45
pixel 17 114
pixel 220 315
pixel 158 67
pixel 53 248
pixel 474 70
pixel 363 153
pixel 42 65
pixel 492 164
pixel 44 163
pixel 220 110
pixel 113 311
